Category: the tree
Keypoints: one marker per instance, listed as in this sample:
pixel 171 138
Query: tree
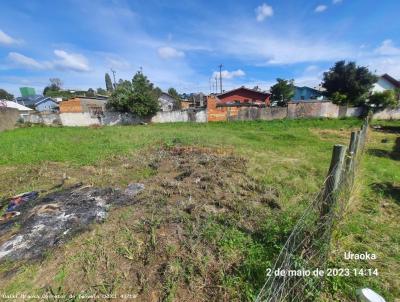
pixel 349 81
pixel 56 83
pixel 381 100
pixel 158 92
pixel 109 85
pixel 54 86
pixel 172 92
pixel 282 91
pixel 137 97
pixel 101 91
pixel 90 92
pixel 5 95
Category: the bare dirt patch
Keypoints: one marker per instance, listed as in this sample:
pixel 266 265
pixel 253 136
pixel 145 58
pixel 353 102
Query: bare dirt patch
pixel 186 232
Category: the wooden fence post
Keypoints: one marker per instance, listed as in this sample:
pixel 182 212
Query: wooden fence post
pixel 353 141
pixel 351 156
pixel 334 179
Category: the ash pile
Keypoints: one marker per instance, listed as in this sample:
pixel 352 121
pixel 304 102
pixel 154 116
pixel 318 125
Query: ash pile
pixel 32 225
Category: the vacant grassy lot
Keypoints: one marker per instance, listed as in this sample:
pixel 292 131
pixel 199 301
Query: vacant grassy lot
pixel 220 200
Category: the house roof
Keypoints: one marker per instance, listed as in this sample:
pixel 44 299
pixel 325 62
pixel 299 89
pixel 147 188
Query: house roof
pixel 11 104
pixel 391 80
pixel 33 100
pixel 245 88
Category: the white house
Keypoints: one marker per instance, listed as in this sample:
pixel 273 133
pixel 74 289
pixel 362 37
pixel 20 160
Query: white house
pixel 166 102
pixel 385 82
pixel 21 108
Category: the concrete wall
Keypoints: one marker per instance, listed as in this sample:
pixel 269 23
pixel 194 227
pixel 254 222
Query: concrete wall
pixel 47 118
pixel 315 109
pixel 8 118
pixel 254 113
pixel 387 114
pixel 116 118
pixel 354 111
pixel 305 110
pixel 180 116
pixel 78 119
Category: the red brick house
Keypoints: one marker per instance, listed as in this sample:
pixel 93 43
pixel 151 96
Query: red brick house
pixel 244 95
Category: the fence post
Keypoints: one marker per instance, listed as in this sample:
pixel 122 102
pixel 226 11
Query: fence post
pixel 334 179
pixel 353 141
pixel 351 156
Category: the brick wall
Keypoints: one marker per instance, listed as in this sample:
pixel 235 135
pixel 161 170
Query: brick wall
pixel 215 113
pixel 242 113
pixel 71 106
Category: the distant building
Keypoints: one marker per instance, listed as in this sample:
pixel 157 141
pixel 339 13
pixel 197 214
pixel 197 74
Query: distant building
pixel 23 111
pixel 95 106
pixel 185 104
pixel 386 82
pixel 27 91
pixel 306 93
pixel 166 102
pixel 245 96
pixel 38 102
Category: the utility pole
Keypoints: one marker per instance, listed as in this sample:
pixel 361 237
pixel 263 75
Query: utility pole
pixel 113 72
pixel 220 77
pixel 216 84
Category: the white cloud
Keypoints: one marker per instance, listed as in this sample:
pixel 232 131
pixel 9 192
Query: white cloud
pixel 320 8
pixel 117 63
pixel 337 1
pixel 311 68
pixel 225 74
pixel 6 39
pixel 167 52
pixel 262 47
pixel 71 61
pixel 311 76
pixel 24 61
pixel 387 48
pixel 263 11
pixel 65 61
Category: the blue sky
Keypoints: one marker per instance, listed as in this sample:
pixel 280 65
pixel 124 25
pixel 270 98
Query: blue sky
pixel 181 43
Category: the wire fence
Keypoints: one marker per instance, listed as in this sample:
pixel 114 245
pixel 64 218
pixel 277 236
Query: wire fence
pixel 300 268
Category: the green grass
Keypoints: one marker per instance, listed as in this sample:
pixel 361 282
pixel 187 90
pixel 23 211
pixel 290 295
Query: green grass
pixel 85 146
pixel 371 222
pixel 291 156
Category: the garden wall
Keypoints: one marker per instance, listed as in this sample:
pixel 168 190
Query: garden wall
pixel 8 118
pixel 199 116
pixel 108 118
pixel 255 113
pixel 46 118
pixel 387 114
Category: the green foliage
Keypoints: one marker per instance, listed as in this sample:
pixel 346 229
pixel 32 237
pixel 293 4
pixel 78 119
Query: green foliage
pixel 352 82
pixel 58 93
pixel 339 98
pixel 172 92
pixel 5 95
pixel 282 91
pixel 54 87
pixel 109 85
pixel 381 100
pixel 137 97
pixel 101 91
pixel 157 92
pixel 90 92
